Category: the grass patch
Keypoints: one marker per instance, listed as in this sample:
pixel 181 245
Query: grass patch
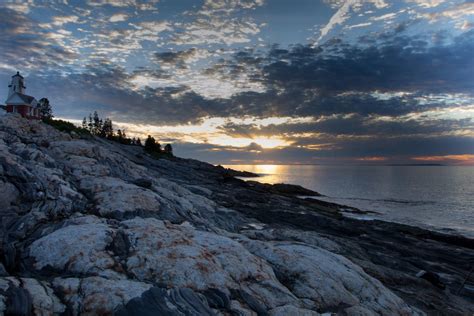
pixel 65 126
pixel 161 155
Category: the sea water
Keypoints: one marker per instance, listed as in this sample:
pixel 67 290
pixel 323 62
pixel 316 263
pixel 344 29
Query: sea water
pixel 434 197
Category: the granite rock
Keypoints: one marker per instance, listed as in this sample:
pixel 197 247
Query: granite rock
pixel 89 226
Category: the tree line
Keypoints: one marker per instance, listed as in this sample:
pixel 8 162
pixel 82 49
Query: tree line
pixel 104 128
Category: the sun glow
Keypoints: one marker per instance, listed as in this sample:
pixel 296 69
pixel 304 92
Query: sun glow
pixel 209 131
pixel 465 159
pixel 264 142
pixel 265 169
pixel 372 158
pixel 270 142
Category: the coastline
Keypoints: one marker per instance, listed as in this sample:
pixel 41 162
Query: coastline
pixel 420 196
pixel 389 245
pixel 89 216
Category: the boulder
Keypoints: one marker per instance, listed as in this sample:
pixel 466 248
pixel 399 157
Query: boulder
pixel 114 197
pixel 166 302
pixel 181 256
pixel 292 310
pixel 330 281
pixel 76 248
pixel 97 295
pixel 27 296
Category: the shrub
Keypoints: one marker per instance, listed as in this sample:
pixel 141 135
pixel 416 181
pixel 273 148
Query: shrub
pixel 65 126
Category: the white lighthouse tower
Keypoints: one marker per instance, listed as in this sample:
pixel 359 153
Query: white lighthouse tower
pixel 19 102
pixel 17 85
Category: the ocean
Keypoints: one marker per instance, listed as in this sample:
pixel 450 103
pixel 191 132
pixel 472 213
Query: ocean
pixel 433 197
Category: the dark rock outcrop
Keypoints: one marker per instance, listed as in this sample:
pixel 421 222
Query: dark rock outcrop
pixel 158 301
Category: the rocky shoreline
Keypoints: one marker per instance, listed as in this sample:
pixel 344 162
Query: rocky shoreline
pixel 94 227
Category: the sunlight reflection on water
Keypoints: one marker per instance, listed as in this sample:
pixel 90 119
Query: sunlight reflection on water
pixel 435 196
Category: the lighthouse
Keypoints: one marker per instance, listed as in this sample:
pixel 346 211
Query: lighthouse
pixel 18 101
pixel 17 84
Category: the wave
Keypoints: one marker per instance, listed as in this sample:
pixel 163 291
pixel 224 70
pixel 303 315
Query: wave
pixel 388 200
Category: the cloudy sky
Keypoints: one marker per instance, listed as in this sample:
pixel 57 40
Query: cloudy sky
pixel 258 81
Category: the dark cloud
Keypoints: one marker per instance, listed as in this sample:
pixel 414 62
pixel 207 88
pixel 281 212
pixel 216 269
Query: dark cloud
pixel 353 125
pixel 398 64
pixel 407 146
pixel 253 147
pixel 340 78
pixel 177 59
pixel 306 102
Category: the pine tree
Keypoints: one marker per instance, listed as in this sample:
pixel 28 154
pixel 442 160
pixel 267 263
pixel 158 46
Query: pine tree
pixel 107 129
pixel 150 144
pixel 101 125
pixel 45 109
pixel 168 149
pixel 84 123
pixel 96 124
pixel 138 142
pixel 90 125
pixel 123 139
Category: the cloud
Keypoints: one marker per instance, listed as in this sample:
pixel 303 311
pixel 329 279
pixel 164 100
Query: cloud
pixel 334 79
pixel 358 25
pixel 118 17
pixel 61 20
pixel 454 12
pixel 149 5
pixel 113 3
pixel 254 147
pixel 217 22
pixel 398 64
pixel 143 31
pixel 399 150
pixel 390 78
pixel 27 46
pixel 200 70
pixel 211 7
pixel 180 59
pixel 118 44
pixel 465 25
pixel 427 3
pixel 344 12
pixel 200 77
pixel 20 7
pixel 456 159
pixel 107 88
pixel 217 31
pixel 354 126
